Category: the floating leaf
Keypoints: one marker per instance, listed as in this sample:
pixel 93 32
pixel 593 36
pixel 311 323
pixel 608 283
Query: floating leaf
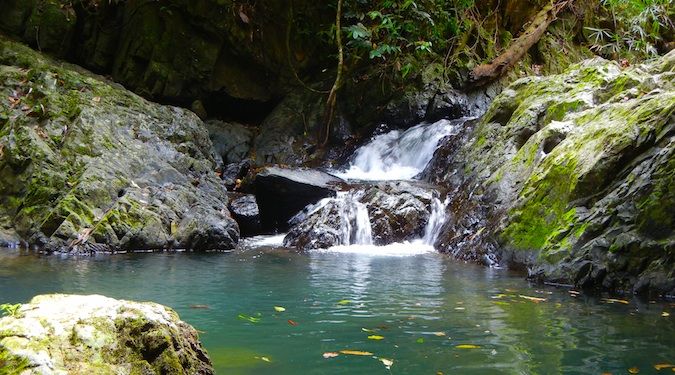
pixel 387 362
pixel 375 337
pixel 266 359
pixel 279 309
pixel 344 302
pixel 614 300
pixel 533 299
pixel 291 322
pixel 330 354
pixel 420 340
pixel 460 308
pixel 665 314
pixel 248 318
pixel 439 334
pixel 661 366
pixel 634 370
pixel 366 330
pixel 355 352
pixel 467 346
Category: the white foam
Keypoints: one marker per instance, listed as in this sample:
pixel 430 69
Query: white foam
pixel 265 240
pixel 396 249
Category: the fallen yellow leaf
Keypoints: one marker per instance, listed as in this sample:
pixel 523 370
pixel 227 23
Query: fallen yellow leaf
pixel 467 346
pixel 533 299
pixel 634 370
pixel 661 366
pixel 375 337
pixel 330 354
pixel 439 334
pixel 279 309
pixel 355 352
pixel 614 300
pixel 344 302
pixel 665 314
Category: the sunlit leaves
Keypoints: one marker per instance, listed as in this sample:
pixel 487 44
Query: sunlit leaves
pixel 355 352
pixel 248 318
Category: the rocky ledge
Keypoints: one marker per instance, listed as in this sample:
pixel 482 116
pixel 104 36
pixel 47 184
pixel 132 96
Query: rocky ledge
pixel 73 334
pixel 571 176
pixel 88 166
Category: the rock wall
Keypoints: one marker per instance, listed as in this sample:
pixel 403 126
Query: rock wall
pixel 59 334
pixel 575 172
pixel 88 166
pixel 176 50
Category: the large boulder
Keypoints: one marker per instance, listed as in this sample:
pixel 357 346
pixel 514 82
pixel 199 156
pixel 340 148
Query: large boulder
pixel 88 166
pixel 244 209
pixel 576 170
pixel 395 211
pixel 283 192
pixel 73 334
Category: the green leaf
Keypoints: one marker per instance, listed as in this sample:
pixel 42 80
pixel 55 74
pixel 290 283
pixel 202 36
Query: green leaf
pixel 279 309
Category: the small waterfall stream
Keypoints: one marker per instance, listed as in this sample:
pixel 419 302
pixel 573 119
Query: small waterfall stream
pixel 396 155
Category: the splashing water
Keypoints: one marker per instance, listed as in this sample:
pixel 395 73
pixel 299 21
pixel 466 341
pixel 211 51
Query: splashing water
pixel 437 218
pixel 354 220
pixel 399 155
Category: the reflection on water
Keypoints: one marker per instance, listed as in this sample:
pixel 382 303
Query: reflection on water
pixel 423 305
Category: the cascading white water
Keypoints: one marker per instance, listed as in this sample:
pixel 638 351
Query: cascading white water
pixel 437 218
pixel 354 220
pixel 394 155
pixel 399 155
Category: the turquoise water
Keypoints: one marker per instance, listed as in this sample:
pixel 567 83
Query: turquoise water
pixel 423 306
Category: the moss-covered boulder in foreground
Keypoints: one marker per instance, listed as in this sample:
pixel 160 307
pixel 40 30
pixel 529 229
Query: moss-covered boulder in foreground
pixel 73 334
pixel 88 166
pixel 577 171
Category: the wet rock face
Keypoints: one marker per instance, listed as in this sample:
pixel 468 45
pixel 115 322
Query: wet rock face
pixel 245 211
pixel 94 334
pixel 87 166
pixel 398 211
pixel 177 50
pixel 573 169
pixel 282 192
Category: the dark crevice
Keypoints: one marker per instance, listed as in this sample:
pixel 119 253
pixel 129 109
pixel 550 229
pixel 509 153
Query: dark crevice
pixel 227 108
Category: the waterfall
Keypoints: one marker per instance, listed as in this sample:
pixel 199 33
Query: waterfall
pixel 355 220
pixel 399 155
pixel 437 218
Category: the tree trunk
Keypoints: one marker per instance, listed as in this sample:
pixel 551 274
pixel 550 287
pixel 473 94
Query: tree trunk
pixel 329 111
pixel 486 73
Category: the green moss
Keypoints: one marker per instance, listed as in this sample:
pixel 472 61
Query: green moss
pixel 543 210
pixel 12 364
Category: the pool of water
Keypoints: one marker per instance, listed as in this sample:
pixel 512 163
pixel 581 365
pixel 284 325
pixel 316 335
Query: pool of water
pixel 432 314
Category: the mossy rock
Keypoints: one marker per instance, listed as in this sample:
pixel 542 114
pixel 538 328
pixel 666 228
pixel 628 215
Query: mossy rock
pixel 88 166
pixel 99 335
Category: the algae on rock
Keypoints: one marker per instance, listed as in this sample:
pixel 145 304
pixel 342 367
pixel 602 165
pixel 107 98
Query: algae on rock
pixel 93 334
pixel 88 166
pixel 575 168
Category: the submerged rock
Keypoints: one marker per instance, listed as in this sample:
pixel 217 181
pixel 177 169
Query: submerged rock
pixel 59 333
pixel 88 166
pixel 577 171
pixel 283 192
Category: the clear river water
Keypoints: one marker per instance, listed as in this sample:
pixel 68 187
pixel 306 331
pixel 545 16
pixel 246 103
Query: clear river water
pixel 433 315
